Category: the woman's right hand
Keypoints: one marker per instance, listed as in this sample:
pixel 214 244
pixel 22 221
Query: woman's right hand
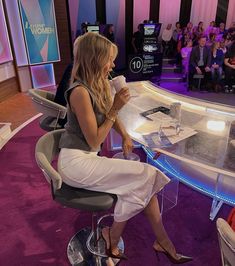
pixel 121 98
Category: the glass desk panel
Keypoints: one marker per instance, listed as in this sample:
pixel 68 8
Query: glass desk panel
pixel 207 149
pixel 211 150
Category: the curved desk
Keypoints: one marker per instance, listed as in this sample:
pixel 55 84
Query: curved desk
pixel 207 154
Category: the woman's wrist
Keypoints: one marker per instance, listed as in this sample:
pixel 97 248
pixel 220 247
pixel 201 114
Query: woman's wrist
pixel 125 136
pixel 111 118
pixel 112 114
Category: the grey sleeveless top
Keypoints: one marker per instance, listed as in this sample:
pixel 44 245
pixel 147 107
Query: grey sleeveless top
pixel 73 137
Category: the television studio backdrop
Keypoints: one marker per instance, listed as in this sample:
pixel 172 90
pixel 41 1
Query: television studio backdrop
pixel 36 47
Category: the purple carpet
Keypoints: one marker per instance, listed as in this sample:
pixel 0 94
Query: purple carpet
pixel 35 230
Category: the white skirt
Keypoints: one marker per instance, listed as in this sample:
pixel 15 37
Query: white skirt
pixel 133 182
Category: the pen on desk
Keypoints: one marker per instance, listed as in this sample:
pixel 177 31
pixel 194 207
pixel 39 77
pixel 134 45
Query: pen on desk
pixel 146 117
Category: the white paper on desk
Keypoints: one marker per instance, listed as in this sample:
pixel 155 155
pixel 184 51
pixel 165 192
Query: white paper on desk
pixel 150 127
pixel 153 126
pixel 185 133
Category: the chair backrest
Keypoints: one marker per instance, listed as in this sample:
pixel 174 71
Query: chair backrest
pixel 46 150
pixel 44 103
pixel 227 242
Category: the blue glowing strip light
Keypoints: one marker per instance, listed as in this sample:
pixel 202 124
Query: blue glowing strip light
pixel 184 178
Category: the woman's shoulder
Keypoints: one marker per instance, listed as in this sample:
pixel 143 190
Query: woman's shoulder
pixel 80 90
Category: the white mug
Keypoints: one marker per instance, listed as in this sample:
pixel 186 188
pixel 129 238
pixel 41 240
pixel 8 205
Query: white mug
pixel 119 82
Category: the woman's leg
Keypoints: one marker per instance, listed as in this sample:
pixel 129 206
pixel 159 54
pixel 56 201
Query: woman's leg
pixel 153 214
pixel 113 234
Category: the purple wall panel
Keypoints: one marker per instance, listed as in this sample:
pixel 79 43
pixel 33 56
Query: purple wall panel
pixel 16 32
pixel 42 75
pixel 115 14
pixel 140 12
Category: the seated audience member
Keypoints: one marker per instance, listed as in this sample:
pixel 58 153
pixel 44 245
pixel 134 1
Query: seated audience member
pixel 217 60
pixel 92 112
pixel 200 63
pixel 167 40
pixel 185 54
pixel 137 41
pixel 189 28
pixel 223 46
pixel 183 41
pixel 211 39
pixel 229 62
pixel 176 35
pixel 221 29
pixel 210 28
pixel 198 30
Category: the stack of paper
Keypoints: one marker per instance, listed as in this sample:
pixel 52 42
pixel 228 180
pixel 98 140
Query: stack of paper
pixel 162 132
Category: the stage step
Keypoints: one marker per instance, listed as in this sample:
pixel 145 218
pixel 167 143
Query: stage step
pixel 171 77
pixel 5 131
pixel 167 61
pixel 171 68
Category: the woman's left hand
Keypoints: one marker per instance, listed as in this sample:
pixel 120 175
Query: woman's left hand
pixel 127 145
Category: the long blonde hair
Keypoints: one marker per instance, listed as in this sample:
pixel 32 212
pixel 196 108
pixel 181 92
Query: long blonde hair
pixel 91 53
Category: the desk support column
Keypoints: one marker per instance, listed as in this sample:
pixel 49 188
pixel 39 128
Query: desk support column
pixel 216 203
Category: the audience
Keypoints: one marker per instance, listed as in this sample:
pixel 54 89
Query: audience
pixel 199 51
pixel 218 40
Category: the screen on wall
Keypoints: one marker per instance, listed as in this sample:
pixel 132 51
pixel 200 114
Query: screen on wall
pixel 39 27
pixel 93 28
pixel 5 49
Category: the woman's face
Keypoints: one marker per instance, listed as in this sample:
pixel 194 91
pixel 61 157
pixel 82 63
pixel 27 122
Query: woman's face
pixel 190 43
pixel 110 64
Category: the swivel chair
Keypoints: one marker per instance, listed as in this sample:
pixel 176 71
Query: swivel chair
pixel 226 237
pixel 86 247
pixel 52 112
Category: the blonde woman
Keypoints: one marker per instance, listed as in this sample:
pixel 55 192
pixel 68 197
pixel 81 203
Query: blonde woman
pixel 91 115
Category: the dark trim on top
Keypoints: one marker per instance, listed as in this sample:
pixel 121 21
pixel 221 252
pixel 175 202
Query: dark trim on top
pixel 154 10
pixel 101 11
pixel 129 6
pixel 221 12
pixel 185 12
pixel 70 30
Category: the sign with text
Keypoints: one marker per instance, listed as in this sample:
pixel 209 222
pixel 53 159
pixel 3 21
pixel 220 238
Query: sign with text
pixel 5 49
pixel 39 26
pixel 144 66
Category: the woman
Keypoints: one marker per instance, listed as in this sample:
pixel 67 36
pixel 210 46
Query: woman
pixel 229 62
pixel 217 60
pixel 91 115
pixel 185 54
pixel 167 40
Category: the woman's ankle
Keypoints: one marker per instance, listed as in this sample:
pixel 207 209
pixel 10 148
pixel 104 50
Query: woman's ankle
pixel 114 239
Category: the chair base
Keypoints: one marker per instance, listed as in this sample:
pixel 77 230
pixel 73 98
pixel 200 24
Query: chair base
pixel 79 255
